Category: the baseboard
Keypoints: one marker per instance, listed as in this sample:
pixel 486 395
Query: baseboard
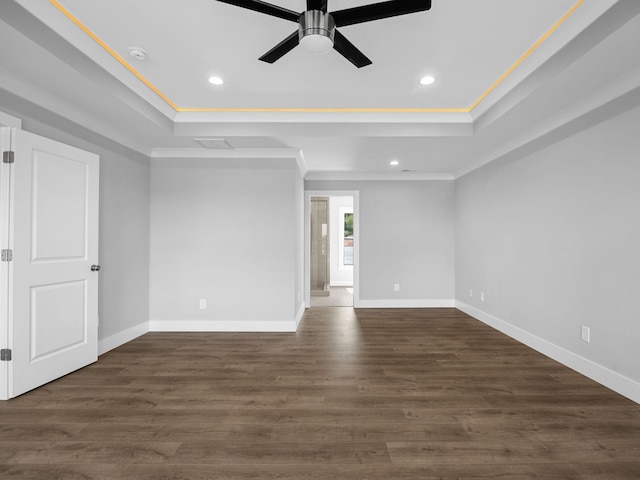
pixel 222 325
pixel 408 303
pixel 121 338
pixel 618 383
pixel 299 315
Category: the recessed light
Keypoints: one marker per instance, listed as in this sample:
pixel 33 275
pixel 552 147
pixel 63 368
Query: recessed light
pixel 427 80
pixel 394 163
pixel 215 81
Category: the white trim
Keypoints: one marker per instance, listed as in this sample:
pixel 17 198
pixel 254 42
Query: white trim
pixel 359 176
pixel 302 163
pixel 619 383
pixel 406 303
pixel 280 123
pixel 580 109
pixel 201 152
pixel 132 333
pixel 299 315
pixel 186 325
pixel 5 182
pixel 122 337
pixel 80 117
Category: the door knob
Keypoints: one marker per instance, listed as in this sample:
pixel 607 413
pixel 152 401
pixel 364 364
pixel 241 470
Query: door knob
pixel 95 268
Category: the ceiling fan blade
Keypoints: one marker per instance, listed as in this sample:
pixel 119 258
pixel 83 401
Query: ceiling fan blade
pixel 283 47
pixel 317 5
pixel 349 51
pixel 264 7
pixel 377 11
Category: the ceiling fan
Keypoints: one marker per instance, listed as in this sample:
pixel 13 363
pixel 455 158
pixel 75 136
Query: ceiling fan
pixel 317 27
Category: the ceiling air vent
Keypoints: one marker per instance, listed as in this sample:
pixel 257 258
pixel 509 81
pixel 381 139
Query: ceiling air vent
pixel 214 143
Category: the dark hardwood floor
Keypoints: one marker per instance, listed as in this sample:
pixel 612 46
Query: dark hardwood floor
pixel 366 395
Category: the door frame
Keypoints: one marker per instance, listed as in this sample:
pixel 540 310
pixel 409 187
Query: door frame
pixel 356 240
pixel 5 187
pixel 7 122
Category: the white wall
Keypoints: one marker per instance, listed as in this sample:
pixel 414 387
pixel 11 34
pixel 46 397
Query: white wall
pixel 124 249
pixel 226 234
pixel 552 239
pixel 339 275
pixel 406 237
pixel 298 202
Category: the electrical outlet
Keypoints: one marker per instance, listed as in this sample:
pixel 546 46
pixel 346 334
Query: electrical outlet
pixel 471 292
pixel 396 287
pixel 586 334
pixel 482 296
pixel 203 303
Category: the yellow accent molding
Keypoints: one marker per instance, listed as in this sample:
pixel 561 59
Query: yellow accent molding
pixel 146 82
pixel 111 52
pixel 526 54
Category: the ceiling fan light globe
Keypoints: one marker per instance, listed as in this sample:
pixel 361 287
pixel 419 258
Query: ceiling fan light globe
pixel 316 31
pixel 316 43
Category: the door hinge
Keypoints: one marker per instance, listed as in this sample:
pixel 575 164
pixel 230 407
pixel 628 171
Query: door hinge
pixel 7 255
pixel 5 355
pixel 8 157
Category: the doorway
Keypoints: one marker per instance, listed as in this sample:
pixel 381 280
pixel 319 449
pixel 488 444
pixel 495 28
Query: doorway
pixel 331 249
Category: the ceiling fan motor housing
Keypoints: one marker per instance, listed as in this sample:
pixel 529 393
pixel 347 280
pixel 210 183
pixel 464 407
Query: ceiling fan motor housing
pixel 316 22
pixel 317 31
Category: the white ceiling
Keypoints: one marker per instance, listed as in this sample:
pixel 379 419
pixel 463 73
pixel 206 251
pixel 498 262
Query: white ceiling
pixel 508 72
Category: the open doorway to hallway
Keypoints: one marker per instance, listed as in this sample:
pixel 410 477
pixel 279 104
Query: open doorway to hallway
pixel 331 250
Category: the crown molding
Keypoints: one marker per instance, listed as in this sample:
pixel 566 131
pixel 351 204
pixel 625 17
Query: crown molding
pixel 616 97
pixel 158 153
pixel 351 176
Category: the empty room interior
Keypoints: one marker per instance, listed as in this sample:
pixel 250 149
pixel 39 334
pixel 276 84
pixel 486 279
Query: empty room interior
pixel 320 240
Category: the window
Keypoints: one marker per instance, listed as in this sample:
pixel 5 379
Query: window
pixel 347 256
pixel 345 239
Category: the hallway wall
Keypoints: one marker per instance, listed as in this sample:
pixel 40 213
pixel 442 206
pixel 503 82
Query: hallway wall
pixel 228 235
pixel 406 237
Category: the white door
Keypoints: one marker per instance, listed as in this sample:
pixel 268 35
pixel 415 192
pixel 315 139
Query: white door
pixel 53 233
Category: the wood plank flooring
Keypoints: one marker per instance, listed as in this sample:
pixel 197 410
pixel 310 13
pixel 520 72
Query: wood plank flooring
pixel 338 297
pixel 363 395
